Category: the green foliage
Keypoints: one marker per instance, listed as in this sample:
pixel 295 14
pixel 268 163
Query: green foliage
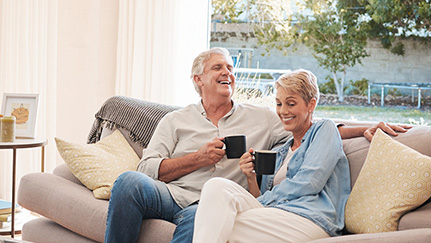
pixel 360 87
pixel 335 30
pixel 336 35
pixel 229 10
pixel 392 18
pixel 394 92
pixel 329 86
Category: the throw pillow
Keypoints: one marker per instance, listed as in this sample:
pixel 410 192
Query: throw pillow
pixel 394 180
pixel 98 165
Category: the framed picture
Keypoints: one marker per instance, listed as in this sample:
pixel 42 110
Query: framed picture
pixel 24 108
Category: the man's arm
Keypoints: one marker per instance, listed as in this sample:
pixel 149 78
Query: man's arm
pixel 207 155
pixel 368 132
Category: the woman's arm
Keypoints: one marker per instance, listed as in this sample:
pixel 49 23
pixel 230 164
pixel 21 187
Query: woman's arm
pixel 368 132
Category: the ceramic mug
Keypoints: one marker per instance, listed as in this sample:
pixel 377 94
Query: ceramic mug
pixel 235 146
pixel 264 162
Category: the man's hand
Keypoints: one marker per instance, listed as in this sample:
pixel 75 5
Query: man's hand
pixel 211 153
pixel 207 155
pixel 388 128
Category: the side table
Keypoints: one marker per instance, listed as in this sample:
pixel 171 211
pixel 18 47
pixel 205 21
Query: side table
pixel 22 144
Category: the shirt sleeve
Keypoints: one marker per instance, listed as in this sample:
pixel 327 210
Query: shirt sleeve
pixel 160 147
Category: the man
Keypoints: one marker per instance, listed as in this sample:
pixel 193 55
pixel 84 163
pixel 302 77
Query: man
pixel 186 150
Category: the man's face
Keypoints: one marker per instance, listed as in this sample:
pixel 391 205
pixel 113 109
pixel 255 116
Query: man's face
pixel 217 79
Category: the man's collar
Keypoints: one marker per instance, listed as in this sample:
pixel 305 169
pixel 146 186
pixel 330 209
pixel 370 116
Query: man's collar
pixel 201 108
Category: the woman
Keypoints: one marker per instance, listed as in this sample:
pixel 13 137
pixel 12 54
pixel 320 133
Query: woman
pixel 305 198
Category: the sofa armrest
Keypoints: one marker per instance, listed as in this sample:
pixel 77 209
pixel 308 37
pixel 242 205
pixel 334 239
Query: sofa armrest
pixel 64 172
pixel 66 203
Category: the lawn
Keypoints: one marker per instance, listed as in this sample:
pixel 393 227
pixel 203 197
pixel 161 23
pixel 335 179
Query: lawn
pixel 387 114
pixel 396 115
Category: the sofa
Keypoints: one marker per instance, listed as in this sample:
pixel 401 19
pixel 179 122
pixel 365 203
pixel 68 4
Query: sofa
pixel 70 213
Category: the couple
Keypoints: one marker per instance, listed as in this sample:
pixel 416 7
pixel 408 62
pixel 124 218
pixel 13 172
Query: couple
pixel 186 151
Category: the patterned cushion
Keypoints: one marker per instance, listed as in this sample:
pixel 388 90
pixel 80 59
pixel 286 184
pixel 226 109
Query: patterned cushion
pixel 98 165
pixel 394 180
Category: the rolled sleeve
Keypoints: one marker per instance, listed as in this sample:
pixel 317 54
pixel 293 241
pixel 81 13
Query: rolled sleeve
pixel 150 163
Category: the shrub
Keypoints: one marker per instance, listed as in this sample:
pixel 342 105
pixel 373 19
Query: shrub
pixel 359 87
pixel 329 86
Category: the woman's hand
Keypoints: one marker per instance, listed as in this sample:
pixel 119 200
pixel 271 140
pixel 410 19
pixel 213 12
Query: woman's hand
pixel 246 165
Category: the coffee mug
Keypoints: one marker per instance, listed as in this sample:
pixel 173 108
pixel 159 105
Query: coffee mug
pixel 264 162
pixel 235 146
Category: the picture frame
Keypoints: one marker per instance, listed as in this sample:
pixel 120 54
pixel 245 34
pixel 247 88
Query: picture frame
pixel 24 107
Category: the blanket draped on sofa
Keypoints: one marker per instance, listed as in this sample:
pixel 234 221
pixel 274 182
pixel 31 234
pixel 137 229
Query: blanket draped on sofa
pixel 138 116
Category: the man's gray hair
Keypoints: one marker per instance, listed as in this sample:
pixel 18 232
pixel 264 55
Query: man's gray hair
pixel 198 63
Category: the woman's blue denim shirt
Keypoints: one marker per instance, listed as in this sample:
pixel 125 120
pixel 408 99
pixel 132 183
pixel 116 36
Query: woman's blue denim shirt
pixel 317 182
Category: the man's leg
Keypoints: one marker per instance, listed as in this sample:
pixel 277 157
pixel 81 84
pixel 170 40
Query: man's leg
pixel 135 197
pixel 185 220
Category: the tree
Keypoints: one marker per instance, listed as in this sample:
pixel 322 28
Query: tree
pixel 230 10
pixel 336 35
pixel 333 30
pixel 390 19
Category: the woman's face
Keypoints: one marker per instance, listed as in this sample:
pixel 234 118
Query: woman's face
pixel 217 79
pixel 295 114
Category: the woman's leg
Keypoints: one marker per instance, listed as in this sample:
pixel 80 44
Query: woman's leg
pixel 274 225
pixel 221 201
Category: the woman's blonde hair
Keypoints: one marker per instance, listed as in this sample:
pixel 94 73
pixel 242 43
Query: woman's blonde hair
pixel 302 82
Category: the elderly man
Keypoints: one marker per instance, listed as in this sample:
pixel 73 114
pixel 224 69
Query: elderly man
pixel 186 151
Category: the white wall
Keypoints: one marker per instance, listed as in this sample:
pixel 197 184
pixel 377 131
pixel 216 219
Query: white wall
pixel 87 43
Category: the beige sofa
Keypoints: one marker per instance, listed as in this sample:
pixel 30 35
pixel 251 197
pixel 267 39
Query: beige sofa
pixel 72 214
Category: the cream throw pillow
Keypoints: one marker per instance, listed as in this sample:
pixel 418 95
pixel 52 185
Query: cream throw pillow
pixel 394 180
pixel 98 165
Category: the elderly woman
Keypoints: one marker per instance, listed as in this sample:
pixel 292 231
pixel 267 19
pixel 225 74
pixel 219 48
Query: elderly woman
pixel 305 198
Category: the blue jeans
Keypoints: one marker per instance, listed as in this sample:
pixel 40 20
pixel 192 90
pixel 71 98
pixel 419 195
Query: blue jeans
pixel 135 197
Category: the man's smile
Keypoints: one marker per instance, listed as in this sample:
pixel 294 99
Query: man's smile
pixel 224 82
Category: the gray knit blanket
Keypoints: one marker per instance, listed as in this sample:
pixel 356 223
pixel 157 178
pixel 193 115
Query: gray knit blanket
pixel 138 116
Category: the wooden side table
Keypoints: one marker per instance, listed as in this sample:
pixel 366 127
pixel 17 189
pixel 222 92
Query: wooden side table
pixel 22 144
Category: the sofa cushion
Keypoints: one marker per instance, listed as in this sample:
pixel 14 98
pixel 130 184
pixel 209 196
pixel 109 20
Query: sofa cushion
pixel 394 180
pixel 98 165
pixel 137 147
pixel 356 149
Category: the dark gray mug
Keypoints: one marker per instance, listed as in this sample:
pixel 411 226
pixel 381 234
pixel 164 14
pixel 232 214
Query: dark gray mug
pixel 235 146
pixel 264 162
